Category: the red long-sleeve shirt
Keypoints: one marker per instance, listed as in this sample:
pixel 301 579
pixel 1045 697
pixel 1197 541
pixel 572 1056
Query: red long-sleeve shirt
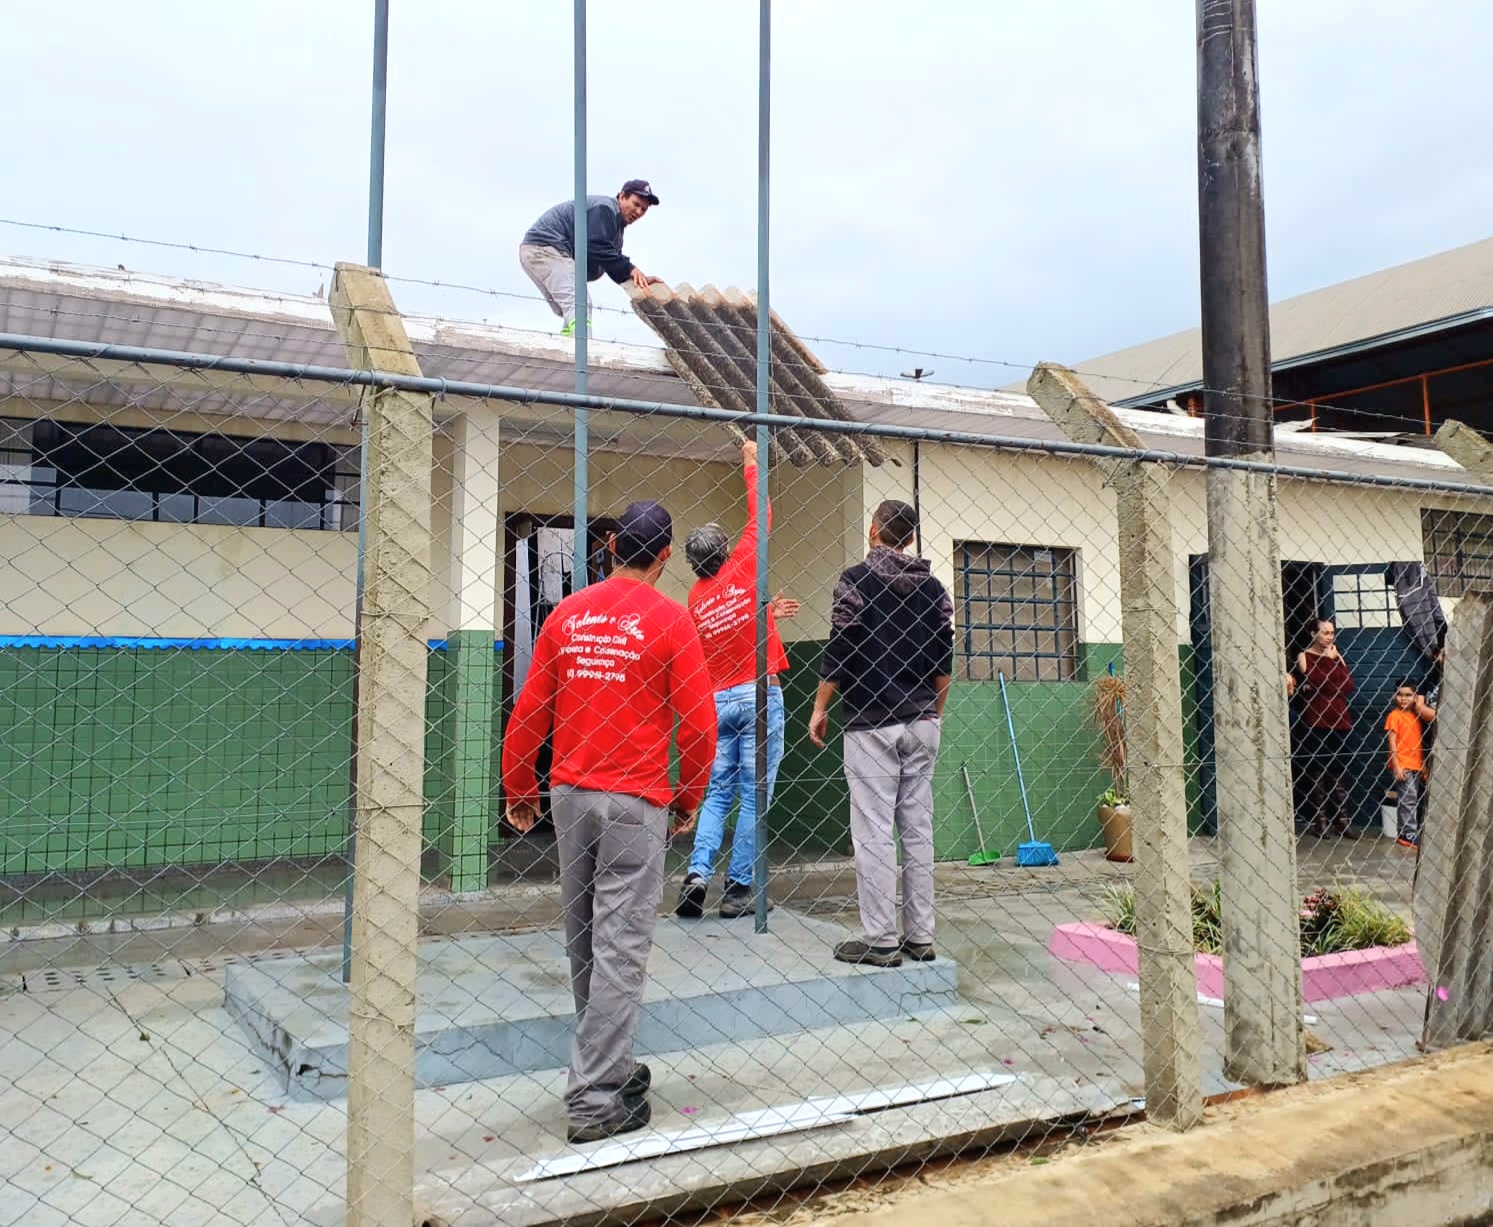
pixel 613 666
pixel 724 608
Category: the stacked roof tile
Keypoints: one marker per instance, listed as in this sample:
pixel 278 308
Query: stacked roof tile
pixel 710 339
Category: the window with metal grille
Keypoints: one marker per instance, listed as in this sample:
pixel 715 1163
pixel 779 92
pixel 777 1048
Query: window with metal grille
pixel 120 473
pixel 1017 612
pixel 1364 597
pixel 1459 549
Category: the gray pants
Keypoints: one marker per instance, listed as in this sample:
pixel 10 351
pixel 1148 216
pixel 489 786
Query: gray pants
pixel 890 771
pixel 554 273
pixel 611 880
pixel 1409 816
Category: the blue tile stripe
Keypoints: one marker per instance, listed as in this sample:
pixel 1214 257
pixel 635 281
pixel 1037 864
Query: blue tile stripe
pixel 194 645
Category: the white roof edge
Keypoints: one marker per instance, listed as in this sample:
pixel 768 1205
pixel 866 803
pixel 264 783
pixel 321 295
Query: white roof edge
pixel 128 285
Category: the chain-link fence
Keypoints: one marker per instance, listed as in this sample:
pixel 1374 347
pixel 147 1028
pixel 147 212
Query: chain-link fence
pixel 317 828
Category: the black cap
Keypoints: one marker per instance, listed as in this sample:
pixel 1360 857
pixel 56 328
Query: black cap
pixel 644 531
pixel 639 187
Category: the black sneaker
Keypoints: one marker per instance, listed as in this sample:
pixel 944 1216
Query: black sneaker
pixel 691 905
pixel 737 900
pixel 918 952
pixel 857 951
pixel 635 1114
pixel 638 1086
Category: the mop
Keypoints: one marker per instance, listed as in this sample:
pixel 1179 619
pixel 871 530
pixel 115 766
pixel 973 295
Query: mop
pixel 1037 852
pixel 984 856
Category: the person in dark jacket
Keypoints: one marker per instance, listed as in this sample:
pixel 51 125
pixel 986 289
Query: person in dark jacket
pixel 547 253
pixel 890 655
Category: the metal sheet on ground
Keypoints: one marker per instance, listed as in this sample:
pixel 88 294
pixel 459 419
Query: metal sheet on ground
pixel 765 1122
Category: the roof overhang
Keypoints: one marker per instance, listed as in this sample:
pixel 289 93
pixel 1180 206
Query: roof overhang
pixel 123 308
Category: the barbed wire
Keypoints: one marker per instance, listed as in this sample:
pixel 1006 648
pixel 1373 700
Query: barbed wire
pixel 1142 385
pixel 478 358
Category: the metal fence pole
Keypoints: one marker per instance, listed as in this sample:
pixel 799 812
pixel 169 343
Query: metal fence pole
pixel 376 138
pixel 375 260
pixel 764 448
pixel 582 309
pixel 392 657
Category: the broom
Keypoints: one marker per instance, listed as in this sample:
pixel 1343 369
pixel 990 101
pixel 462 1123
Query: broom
pixel 1036 853
pixel 983 856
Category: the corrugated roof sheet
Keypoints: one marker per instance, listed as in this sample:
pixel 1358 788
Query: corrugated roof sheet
pixel 1452 284
pixel 710 337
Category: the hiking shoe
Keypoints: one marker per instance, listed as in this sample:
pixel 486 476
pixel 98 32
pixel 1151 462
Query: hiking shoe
pixel 738 900
pixel 918 952
pixel 857 951
pixel 636 1114
pixel 637 1087
pixel 691 905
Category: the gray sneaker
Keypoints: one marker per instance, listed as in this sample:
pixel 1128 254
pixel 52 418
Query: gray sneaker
pixel 857 951
pixel 738 900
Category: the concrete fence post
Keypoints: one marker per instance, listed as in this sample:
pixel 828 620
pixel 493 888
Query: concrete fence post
pixel 390 759
pixel 1453 897
pixel 1171 1037
pixel 1264 1045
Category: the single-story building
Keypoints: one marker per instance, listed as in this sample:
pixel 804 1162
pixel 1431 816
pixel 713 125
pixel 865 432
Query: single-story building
pixel 178 555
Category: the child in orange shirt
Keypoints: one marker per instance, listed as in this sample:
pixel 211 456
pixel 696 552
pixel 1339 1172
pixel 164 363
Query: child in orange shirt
pixel 1407 761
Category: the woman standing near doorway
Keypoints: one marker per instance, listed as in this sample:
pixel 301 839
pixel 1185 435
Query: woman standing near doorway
pixel 1324 683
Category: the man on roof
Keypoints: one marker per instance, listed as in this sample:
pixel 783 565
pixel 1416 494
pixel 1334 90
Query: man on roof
pixel 547 252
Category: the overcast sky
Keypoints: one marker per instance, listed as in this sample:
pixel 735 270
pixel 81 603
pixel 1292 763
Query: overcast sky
pixel 1007 181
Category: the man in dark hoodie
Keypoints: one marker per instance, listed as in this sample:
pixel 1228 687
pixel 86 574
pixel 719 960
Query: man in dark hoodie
pixel 547 253
pixel 890 655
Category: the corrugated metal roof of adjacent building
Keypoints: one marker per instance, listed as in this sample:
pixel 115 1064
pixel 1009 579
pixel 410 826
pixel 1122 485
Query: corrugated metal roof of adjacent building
pixel 710 337
pixel 1434 293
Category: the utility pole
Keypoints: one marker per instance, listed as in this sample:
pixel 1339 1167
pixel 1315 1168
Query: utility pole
pixel 1261 951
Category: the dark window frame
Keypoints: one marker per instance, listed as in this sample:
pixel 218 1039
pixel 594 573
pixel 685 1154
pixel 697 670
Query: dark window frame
pixel 1002 629
pixel 81 470
pixel 1458 547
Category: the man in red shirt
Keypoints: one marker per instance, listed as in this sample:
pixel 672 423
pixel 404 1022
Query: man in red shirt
pixel 613 667
pixel 723 603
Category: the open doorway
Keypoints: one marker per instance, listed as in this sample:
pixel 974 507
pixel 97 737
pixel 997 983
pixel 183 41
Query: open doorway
pixel 539 573
pixel 1302 605
pixel 1371 634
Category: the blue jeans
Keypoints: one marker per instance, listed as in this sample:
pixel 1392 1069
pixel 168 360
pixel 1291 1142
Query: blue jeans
pixel 734 778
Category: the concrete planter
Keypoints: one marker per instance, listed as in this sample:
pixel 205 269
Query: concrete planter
pixel 1323 977
pixel 1114 821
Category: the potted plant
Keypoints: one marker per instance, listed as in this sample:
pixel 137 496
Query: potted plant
pixel 1114 802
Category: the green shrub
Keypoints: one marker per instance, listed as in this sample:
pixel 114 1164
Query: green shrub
pixel 1332 921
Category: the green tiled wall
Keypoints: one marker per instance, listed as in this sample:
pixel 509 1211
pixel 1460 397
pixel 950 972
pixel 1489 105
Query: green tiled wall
pixel 118 757
pixel 1059 759
pixel 135 757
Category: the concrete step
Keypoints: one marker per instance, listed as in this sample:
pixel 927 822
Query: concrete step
pixel 496 1005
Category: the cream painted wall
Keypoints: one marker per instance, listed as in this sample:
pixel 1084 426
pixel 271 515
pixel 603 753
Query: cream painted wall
pixel 972 494
pixel 539 480
pixel 978 495
pixel 104 577
pixel 113 577
pixel 818 532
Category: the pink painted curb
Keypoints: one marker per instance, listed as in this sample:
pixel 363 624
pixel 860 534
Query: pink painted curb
pixel 1323 977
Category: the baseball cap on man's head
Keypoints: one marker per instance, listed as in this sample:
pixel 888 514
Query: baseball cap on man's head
pixel 644 531
pixel 639 187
